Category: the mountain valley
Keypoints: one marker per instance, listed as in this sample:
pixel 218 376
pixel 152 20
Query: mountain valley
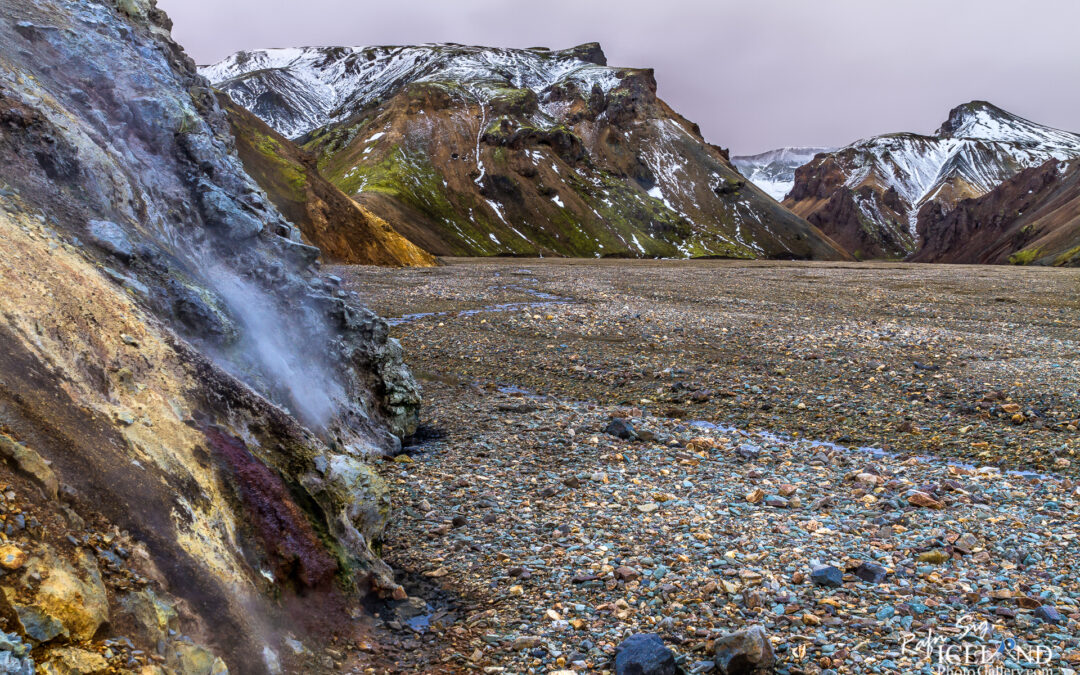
pixel 450 359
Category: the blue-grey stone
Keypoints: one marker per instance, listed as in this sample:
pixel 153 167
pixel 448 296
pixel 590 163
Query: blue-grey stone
pixel 110 237
pixel 871 572
pixel 827 575
pixel 644 654
pixel 776 501
pixel 1049 614
pixel 38 625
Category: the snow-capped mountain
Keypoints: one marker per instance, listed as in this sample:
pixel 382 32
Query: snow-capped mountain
pixel 487 151
pixel 868 196
pixel 774 171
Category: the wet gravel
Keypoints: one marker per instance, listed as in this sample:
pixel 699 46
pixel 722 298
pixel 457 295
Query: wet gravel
pixel 874 463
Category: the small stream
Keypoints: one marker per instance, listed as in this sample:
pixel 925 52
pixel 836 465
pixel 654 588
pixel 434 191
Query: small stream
pixel 877 453
pixel 769 437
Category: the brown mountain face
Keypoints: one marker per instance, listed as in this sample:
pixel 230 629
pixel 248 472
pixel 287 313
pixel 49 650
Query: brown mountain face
pixel 820 196
pixel 1032 218
pixel 344 231
pixel 482 151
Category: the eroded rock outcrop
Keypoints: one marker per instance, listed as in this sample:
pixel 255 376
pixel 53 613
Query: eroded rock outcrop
pixel 174 366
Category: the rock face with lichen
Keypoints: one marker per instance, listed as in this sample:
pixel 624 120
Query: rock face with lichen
pixel 174 365
pixel 488 151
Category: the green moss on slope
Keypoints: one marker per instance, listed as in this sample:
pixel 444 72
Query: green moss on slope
pixel 1025 257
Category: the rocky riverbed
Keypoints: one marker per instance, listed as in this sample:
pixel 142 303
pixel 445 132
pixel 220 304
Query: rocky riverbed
pixel 873 463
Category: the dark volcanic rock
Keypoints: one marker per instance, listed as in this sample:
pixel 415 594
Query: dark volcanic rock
pixel 644 654
pixel 871 572
pixel 620 428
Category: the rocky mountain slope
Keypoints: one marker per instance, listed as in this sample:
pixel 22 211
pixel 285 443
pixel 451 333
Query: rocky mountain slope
pixel 774 171
pixel 185 402
pixel 867 196
pixel 1032 218
pixel 343 230
pixel 484 151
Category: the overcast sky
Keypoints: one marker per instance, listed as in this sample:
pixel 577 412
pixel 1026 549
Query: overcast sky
pixel 755 74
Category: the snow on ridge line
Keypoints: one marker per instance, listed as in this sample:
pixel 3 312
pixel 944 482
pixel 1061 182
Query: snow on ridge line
pixel 329 77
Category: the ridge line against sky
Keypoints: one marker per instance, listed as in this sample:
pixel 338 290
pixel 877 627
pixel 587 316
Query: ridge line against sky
pixel 755 76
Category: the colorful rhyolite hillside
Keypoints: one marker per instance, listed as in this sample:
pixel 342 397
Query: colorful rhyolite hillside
pixel 484 151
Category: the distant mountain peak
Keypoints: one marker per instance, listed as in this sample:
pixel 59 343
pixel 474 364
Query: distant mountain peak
pixel 983 120
pixel 774 170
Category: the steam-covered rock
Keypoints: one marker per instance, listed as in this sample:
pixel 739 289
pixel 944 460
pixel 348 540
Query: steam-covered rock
pixel 172 357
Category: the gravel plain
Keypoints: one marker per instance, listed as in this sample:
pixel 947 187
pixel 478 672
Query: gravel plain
pixel 875 463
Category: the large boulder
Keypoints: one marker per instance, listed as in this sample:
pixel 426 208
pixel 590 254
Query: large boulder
pixel 73 661
pixel 195 660
pixel 744 652
pixel 151 616
pixel 111 237
pixel 29 463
